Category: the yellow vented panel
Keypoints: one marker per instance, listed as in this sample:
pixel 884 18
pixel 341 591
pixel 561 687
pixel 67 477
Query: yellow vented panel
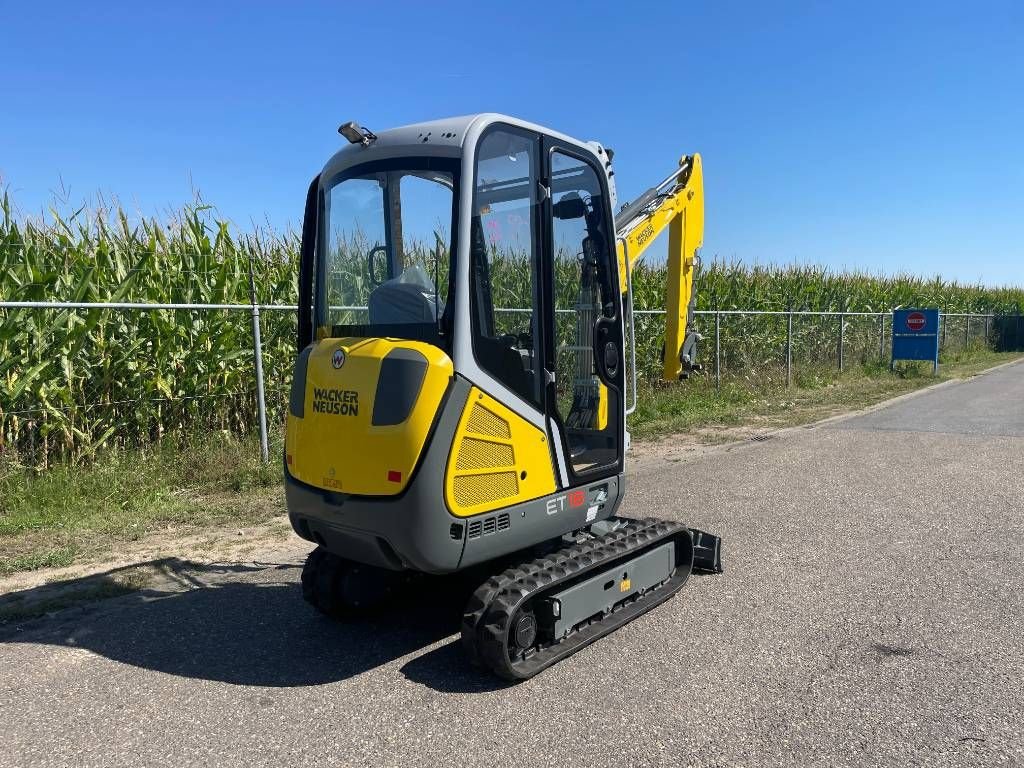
pixel 473 490
pixel 482 454
pixel 485 422
pixel 497 459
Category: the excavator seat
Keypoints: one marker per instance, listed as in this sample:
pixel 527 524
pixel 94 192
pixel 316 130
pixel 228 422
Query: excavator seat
pixel 394 302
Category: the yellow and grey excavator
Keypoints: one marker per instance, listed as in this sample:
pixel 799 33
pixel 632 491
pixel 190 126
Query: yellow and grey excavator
pixel 462 383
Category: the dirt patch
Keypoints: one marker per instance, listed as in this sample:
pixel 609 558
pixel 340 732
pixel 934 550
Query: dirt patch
pixel 688 446
pixel 40 601
pixel 224 544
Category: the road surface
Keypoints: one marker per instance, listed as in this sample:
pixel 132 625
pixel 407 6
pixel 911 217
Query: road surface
pixel 872 613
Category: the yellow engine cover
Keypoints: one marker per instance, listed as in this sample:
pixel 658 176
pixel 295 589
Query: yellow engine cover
pixel 335 444
pixel 497 459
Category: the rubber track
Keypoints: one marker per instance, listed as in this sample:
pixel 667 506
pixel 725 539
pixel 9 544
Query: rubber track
pixel 492 607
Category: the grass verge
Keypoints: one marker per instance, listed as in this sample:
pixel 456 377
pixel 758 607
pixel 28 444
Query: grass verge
pixel 76 514
pixel 71 514
pixel 817 393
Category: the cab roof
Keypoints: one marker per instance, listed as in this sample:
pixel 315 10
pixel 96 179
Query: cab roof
pixel 435 138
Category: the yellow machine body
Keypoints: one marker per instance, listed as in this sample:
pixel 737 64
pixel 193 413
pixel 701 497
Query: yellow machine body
pixel 335 444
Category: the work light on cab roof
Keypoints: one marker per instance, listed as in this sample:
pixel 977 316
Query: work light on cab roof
pixel 356 134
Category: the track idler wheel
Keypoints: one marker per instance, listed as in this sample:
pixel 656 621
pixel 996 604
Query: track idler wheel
pixel 524 631
pixel 339 588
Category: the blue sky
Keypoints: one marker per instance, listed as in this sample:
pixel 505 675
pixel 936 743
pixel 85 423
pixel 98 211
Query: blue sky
pixel 886 136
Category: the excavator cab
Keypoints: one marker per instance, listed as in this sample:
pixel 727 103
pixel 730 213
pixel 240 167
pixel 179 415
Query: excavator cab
pixel 484 255
pixel 459 395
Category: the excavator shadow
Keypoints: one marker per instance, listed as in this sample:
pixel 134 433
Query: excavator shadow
pixel 242 624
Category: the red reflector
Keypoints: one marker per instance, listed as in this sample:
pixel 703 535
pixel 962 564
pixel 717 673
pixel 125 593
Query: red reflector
pixel 289 459
pixel 394 476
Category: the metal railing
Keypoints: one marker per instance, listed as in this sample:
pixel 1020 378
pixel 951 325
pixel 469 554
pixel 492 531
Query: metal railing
pixel 718 314
pixel 253 308
pixel 256 375
pixel 841 334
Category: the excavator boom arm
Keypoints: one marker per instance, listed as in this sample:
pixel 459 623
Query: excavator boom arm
pixel 678 204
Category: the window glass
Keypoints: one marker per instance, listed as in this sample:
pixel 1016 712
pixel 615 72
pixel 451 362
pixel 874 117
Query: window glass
pixel 504 262
pixel 385 270
pixel 582 294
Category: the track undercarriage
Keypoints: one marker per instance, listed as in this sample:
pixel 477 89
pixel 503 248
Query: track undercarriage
pixel 549 602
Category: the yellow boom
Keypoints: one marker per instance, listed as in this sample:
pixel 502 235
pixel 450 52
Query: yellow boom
pixel 676 203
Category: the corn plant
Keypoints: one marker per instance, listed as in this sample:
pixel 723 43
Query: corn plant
pixel 72 381
pixel 75 381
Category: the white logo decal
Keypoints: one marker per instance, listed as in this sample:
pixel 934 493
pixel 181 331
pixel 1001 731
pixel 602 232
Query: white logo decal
pixel 339 358
pixel 555 505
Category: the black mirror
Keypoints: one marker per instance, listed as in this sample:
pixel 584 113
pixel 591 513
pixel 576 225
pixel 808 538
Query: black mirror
pixel 571 206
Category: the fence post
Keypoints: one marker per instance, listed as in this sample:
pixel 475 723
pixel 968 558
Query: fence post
pixel 261 402
pixel 881 336
pixel 718 350
pixel 987 320
pixel 842 324
pixel 967 332
pixel 789 348
pixel 942 321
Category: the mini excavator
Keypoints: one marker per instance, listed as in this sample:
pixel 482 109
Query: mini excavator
pixel 462 382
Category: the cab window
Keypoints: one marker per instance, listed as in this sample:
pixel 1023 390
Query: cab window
pixel 503 262
pixel 384 267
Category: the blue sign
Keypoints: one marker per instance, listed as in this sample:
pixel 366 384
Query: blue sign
pixel 915 335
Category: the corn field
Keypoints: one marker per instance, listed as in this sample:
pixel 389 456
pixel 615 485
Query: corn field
pixel 754 345
pixel 73 381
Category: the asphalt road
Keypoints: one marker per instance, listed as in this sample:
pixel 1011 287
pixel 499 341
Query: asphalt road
pixel 872 613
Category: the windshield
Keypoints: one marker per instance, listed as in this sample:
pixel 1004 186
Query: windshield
pixel 385 251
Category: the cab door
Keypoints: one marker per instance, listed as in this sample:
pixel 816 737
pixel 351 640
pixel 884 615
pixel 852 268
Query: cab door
pixel 583 345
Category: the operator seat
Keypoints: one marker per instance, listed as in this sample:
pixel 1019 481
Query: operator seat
pixel 396 303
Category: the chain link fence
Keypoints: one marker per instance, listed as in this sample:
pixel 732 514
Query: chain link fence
pixel 75 378
pixel 79 377
pixel 781 342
